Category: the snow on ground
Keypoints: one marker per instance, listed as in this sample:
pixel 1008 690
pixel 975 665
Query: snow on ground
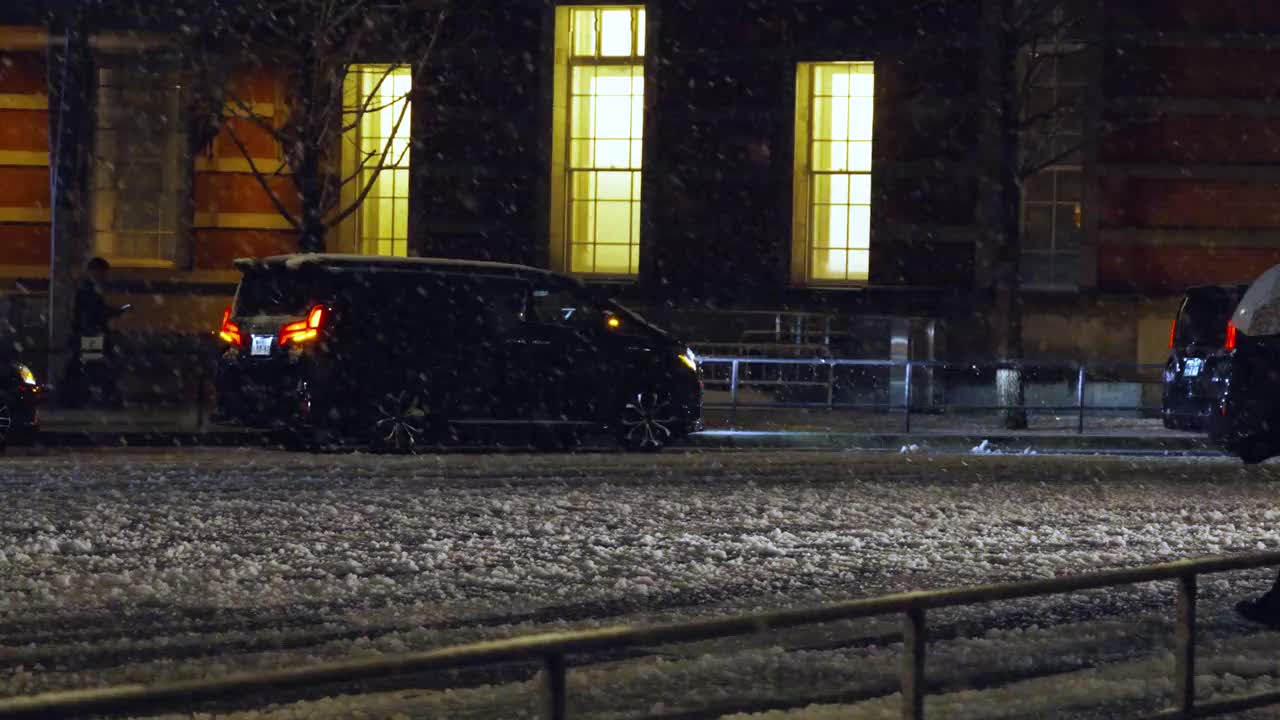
pixel 148 566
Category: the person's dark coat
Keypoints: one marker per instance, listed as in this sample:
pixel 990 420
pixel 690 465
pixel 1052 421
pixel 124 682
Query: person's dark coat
pixel 93 314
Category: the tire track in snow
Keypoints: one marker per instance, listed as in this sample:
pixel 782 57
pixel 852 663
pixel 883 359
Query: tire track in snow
pixel 293 637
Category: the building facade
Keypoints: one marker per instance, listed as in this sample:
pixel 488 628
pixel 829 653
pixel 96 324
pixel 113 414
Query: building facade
pixel 769 155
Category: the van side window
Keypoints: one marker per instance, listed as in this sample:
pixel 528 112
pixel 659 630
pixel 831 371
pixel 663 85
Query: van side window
pixel 563 307
pixel 503 304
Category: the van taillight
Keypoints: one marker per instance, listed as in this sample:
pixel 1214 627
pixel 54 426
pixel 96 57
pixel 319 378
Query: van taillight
pixel 1231 336
pixel 303 330
pixel 228 330
pixel 1173 330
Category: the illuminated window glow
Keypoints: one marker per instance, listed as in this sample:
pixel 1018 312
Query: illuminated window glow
pixel 832 223
pixel 598 140
pixel 376 150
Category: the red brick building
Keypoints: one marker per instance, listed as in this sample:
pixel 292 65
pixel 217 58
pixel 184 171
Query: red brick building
pixel 768 155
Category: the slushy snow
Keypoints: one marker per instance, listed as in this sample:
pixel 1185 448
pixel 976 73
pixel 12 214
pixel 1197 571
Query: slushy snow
pixel 157 566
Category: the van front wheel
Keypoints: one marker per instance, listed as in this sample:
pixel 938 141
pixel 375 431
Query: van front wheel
pixel 647 421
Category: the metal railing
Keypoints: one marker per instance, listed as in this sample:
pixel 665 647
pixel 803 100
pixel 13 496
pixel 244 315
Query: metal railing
pixel 553 649
pixel 822 375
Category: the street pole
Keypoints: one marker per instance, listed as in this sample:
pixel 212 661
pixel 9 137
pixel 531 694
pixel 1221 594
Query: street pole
pixel 68 112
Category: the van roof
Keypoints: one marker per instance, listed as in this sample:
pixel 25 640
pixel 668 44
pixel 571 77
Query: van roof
pixel 370 262
pixel 1236 288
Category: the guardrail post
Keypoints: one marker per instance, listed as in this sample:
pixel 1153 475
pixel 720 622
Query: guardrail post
pixel 200 395
pixel 1184 649
pixel 554 675
pixel 912 676
pixel 831 385
pixel 1080 376
pixel 906 401
pixel 733 394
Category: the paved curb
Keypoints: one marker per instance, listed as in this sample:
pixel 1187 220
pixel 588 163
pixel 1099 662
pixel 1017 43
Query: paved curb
pixel 1003 442
pixel 145 438
pixel 717 439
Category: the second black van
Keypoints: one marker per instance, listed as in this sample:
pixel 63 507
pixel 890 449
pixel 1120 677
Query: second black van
pixel 1196 340
pixel 398 351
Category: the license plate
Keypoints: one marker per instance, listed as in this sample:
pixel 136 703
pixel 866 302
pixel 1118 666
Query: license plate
pixel 261 345
pixel 92 346
pixel 1192 367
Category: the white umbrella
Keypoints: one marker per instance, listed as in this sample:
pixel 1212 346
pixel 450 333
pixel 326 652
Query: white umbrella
pixel 1259 310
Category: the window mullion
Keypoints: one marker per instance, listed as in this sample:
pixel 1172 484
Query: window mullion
pixel 812 145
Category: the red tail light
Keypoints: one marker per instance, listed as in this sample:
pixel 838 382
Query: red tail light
pixel 1173 330
pixel 228 330
pixel 303 330
pixel 1231 336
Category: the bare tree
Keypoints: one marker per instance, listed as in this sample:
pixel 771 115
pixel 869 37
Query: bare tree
pixel 1026 130
pixel 312 46
pixel 1051 34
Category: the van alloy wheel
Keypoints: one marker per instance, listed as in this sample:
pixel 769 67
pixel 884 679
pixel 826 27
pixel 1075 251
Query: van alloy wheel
pixel 647 422
pixel 400 422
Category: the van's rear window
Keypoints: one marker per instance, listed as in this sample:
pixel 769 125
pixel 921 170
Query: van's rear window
pixel 274 292
pixel 1203 317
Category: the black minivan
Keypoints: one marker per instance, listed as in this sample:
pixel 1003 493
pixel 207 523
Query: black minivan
pixel 1196 339
pixel 1246 417
pixel 400 352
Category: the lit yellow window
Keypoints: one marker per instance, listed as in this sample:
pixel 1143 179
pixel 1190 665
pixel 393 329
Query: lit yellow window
pixel 832 223
pixel 599 130
pixel 375 150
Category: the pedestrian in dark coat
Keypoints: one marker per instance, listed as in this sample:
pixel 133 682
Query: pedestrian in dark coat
pixel 92 345
pixel 93 314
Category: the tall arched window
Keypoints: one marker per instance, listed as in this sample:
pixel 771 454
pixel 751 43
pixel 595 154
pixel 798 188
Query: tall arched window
pixel 375 151
pixel 832 205
pixel 598 138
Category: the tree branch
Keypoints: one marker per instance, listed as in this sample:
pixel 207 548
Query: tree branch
pixel 430 48
pixel 1032 65
pixel 313 44
pixel 276 133
pixel 427 52
pixel 364 192
pixel 1052 112
pixel 365 157
pixel 359 113
pixel 262 180
pixel 1029 169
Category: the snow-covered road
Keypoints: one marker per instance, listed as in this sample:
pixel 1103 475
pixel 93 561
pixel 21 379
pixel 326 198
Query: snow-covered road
pixel 127 566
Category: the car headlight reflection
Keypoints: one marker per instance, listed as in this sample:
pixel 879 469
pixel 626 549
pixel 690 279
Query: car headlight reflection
pixel 689 359
pixel 25 374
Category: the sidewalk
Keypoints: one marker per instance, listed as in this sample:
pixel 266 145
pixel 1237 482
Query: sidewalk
pixel 1046 431
pixel 136 426
pixel 747 428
